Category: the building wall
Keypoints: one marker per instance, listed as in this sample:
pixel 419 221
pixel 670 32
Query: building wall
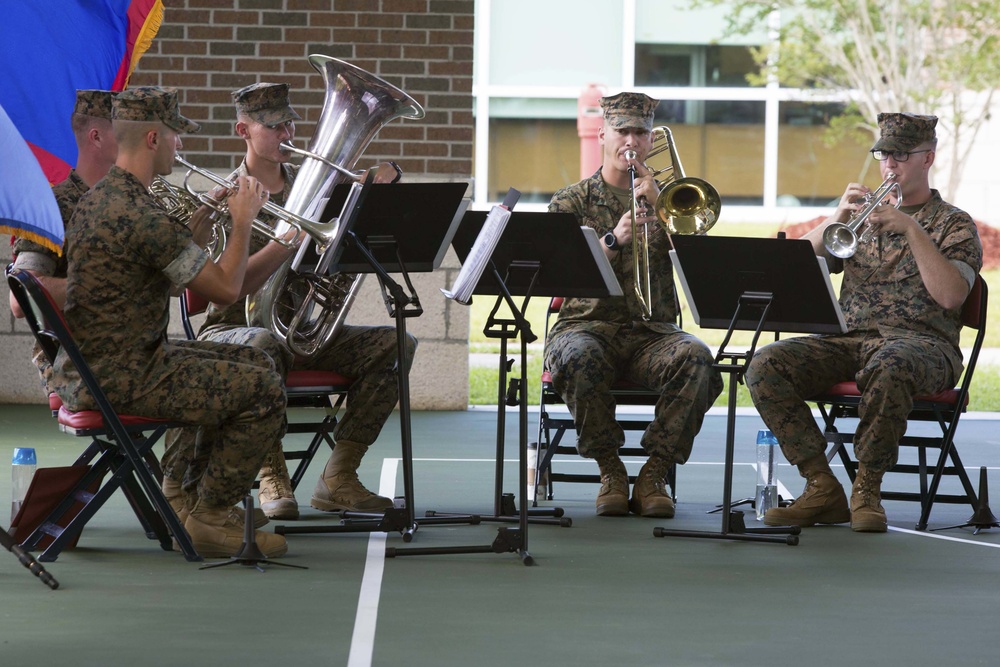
pixel 208 48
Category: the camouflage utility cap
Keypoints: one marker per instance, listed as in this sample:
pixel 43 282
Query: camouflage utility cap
pixel 266 103
pixel 96 103
pixel 150 103
pixel 904 131
pixel 629 110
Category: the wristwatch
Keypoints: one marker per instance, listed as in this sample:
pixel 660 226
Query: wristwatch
pixel 611 242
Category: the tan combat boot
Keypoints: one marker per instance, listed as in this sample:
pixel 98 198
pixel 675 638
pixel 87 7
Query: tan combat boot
pixel 175 496
pixel 822 501
pixel 867 514
pixel 182 503
pixel 339 487
pixel 649 494
pixel 612 499
pixel 218 533
pixel 275 495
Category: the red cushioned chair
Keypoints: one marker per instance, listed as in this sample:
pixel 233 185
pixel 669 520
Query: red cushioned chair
pixel 944 408
pixel 304 389
pixel 119 451
pixel 551 428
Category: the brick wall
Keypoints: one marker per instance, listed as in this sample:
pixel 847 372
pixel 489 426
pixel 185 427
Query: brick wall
pixel 208 48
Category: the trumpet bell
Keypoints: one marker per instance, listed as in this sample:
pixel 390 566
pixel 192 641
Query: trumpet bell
pixel 688 206
pixel 840 240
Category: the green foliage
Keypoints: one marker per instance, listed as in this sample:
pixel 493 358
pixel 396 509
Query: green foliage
pixel 920 56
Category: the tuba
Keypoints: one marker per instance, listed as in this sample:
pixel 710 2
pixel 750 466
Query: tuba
pixel 307 309
pixel 685 205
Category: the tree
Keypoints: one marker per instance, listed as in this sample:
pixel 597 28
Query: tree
pixel 937 57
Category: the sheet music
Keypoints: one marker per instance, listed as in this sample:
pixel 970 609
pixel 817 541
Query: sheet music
pixel 479 255
pixel 603 263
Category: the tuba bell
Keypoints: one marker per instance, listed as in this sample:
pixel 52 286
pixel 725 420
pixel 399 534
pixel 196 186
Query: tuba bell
pixel 308 308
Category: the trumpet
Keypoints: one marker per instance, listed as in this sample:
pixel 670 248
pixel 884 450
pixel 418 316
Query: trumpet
pixel 841 239
pixel 323 233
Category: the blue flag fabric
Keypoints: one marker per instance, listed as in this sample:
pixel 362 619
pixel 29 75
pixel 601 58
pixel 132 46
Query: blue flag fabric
pixel 27 206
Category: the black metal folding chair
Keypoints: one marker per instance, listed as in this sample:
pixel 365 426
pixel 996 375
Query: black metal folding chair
pixel 552 428
pixel 944 408
pixel 119 450
pixel 304 389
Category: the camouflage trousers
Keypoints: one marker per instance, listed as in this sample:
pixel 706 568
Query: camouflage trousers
pixel 584 363
pixel 236 399
pixel 362 352
pixel 889 372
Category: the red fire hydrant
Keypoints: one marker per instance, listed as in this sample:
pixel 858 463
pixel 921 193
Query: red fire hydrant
pixel 589 119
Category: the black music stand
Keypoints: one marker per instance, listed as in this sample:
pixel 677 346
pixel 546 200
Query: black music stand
pixel 394 228
pixel 538 254
pixel 777 285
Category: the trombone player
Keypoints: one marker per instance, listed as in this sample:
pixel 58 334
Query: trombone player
pixel 598 341
pixel 902 295
pixel 265 120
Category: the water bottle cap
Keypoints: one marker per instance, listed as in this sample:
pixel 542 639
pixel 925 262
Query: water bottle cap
pixel 24 456
pixel 765 437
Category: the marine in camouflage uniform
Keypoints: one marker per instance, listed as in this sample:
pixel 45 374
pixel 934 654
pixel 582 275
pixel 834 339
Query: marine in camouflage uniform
pixel 92 110
pixel 900 343
pixel 367 353
pixel 598 341
pixel 125 254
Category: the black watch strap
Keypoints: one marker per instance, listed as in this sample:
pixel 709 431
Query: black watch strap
pixel 611 242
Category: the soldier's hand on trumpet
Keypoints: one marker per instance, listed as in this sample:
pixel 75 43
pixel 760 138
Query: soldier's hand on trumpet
pixel 851 202
pixel 246 202
pixel 889 219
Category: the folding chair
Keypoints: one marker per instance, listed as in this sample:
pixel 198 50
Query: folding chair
pixel 304 389
pixel 119 448
pixel 552 428
pixel 945 408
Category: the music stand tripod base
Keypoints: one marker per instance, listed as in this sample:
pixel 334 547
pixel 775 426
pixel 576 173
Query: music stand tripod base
pixel 249 554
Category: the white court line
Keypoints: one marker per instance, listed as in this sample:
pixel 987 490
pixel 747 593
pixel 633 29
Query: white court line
pixel 363 639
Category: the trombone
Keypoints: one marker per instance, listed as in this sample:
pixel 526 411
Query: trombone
pixel 686 205
pixel 841 239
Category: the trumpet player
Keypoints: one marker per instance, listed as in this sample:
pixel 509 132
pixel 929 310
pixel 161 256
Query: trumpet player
pixel 124 254
pixel 902 294
pixel 265 119
pixel 596 342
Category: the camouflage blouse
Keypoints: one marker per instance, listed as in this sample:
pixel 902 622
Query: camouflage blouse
pixel 595 206
pixel 46 262
pixel 123 253
pixel 235 315
pixel 883 290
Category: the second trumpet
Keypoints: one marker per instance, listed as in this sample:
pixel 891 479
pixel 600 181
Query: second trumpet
pixel 841 239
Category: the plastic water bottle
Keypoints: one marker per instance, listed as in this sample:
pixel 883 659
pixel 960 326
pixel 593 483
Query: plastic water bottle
pixel 531 464
pixel 22 469
pixel 767 487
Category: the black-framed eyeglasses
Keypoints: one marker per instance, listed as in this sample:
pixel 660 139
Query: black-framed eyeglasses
pixel 898 156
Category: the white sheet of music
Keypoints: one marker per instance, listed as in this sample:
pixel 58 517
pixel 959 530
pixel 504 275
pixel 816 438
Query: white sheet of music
pixel 479 255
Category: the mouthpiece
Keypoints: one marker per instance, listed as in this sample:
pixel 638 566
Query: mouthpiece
pixel 631 155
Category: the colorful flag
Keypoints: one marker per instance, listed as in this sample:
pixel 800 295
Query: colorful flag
pixel 27 206
pixel 52 49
